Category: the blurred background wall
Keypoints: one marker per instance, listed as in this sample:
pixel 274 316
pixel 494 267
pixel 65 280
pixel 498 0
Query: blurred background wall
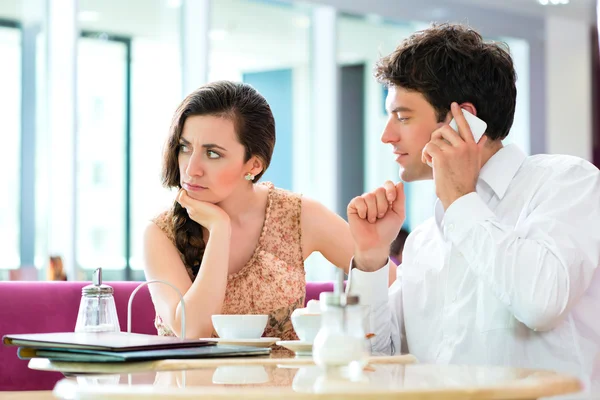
pixel 88 88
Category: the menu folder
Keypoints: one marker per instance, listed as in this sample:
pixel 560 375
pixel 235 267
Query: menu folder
pixel 102 341
pixel 78 355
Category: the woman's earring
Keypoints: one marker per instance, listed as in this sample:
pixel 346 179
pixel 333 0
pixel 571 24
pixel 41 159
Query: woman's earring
pixel 249 177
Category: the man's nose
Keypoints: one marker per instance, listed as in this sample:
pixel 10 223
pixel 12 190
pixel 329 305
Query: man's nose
pixel 388 135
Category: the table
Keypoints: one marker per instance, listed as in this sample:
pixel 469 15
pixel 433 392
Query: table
pixel 28 395
pixel 281 376
pixel 284 357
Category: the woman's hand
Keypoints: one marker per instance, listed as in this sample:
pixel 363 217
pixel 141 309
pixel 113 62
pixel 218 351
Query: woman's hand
pixel 206 214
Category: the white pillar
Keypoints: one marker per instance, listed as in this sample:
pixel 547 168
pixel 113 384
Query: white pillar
pixel 303 127
pixel 195 27
pixel 569 83
pixel 61 64
pixel 31 27
pixel 324 155
pixel 321 161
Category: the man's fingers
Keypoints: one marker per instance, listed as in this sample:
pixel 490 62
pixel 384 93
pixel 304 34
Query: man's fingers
pixel 382 202
pixel 399 203
pixel 371 203
pixel 357 206
pixel 374 205
pixel 425 157
pixel 447 134
pixel 461 122
pixel 442 144
pixel 390 191
pixel 430 151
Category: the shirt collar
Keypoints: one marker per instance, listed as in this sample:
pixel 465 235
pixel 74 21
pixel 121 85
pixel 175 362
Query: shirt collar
pixel 501 168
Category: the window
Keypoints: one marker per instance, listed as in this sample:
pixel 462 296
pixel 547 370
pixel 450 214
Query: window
pixel 101 152
pixel 10 150
pixel 129 84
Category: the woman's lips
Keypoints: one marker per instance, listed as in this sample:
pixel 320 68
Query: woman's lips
pixel 193 188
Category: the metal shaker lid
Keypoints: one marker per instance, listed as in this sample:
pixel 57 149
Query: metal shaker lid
pixel 97 287
pixel 339 299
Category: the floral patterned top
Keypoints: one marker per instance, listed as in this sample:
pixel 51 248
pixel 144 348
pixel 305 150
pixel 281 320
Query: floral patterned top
pixel 273 281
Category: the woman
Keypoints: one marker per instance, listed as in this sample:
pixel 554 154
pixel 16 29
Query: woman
pixel 229 244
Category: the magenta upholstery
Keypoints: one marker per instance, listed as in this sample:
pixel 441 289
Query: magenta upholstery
pixel 38 307
pixel 314 289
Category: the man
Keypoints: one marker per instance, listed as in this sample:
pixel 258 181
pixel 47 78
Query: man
pixel 506 272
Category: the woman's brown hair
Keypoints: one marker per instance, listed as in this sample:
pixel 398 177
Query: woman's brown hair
pixel 255 128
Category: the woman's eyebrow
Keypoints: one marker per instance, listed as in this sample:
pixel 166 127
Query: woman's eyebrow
pixel 212 145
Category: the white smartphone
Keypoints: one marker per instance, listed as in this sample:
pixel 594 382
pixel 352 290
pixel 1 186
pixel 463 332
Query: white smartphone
pixel 477 126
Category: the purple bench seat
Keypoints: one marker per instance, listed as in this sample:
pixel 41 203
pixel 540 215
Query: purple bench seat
pixel 39 307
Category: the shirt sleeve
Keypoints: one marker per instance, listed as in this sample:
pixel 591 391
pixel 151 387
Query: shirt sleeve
pixel 384 310
pixel 540 267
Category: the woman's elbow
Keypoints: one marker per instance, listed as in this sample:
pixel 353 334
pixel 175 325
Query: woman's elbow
pixel 191 332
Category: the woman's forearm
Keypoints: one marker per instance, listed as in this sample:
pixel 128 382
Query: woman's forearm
pixel 206 295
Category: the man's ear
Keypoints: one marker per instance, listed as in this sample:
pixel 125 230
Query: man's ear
pixel 469 107
pixel 465 106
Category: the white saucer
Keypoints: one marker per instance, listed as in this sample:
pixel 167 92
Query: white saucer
pixel 299 347
pixel 260 342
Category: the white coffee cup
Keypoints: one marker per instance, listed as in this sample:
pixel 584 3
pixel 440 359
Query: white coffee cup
pixel 306 326
pixel 244 326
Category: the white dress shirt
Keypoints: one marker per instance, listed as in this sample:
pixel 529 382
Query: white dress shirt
pixel 508 275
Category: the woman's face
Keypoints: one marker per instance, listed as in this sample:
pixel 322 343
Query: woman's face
pixel 211 159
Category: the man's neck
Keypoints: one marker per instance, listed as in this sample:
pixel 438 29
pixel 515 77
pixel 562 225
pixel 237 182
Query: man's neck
pixel 490 148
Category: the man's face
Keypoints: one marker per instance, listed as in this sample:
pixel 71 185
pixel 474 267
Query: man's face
pixel 411 121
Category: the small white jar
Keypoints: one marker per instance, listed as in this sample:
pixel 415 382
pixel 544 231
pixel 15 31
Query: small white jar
pixel 341 340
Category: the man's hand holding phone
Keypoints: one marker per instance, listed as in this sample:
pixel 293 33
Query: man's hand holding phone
pixel 455 157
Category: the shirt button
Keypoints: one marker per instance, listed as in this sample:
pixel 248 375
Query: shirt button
pixel 450 227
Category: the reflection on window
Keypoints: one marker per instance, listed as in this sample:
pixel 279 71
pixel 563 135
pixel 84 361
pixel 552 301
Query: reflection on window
pixel 101 153
pixel 10 148
pixel 153 103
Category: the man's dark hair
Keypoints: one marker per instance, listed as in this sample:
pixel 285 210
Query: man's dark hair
pixel 451 62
